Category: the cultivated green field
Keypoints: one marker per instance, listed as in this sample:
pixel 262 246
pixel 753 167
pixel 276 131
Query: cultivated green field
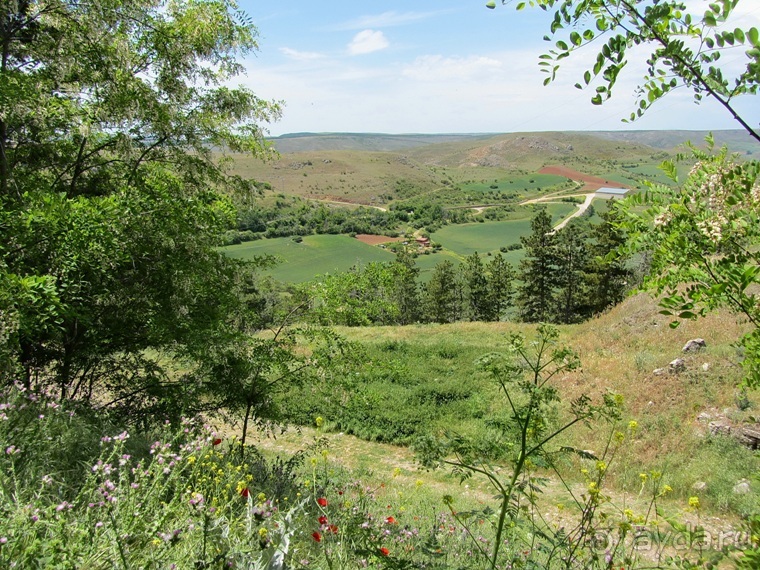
pixel 466 239
pixel 315 255
pixel 518 184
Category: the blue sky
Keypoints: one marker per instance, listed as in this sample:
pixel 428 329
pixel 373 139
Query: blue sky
pixel 442 66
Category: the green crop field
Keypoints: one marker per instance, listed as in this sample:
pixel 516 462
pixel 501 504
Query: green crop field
pixel 466 239
pixel 315 255
pixel 519 184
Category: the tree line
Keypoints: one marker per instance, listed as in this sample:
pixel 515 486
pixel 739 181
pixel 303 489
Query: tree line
pixel 566 276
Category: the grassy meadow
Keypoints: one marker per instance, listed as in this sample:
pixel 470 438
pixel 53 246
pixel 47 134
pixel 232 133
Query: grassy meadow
pixel 424 380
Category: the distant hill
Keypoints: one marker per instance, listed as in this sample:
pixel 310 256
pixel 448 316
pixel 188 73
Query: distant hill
pixel 737 140
pixel 306 142
pixel 376 169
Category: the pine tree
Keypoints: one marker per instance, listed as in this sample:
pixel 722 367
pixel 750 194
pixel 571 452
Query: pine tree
pixel 476 288
pixel 443 296
pixel 538 271
pixel 406 290
pixel 500 288
pixel 572 262
pixel 609 274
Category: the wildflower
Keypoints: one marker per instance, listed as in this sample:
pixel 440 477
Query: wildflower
pixel 217 441
pixel 245 493
pixel 419 483
pixel 384 551
pixel 322 502
pixel 322 519
pixel 263 532
pixel 643 477
pixel 319 421
pixel 390 520
pixel 666 489
pixel 396 472
pixel 316 536
pixel 694 502
pixel 333 528
pixel 601 466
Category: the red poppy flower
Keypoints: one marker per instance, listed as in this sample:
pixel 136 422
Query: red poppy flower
pixel 217 441
pixel 334 528
pixel 322 502
pixel 390 520
pixel 384 551
pixel 245 493
pixel 322 519
pixel 316 536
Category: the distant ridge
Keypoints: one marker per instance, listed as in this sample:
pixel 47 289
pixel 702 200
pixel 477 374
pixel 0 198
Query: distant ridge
pixel 737 140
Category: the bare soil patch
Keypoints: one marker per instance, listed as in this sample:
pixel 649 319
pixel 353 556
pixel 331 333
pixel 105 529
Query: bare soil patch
pixel 591 183
pixel 373 239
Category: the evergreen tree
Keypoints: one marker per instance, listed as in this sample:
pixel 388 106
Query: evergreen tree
pixel 406 291
pixel 476 288
pixel 572 262
pixel 609 274
pixel 443 294
pixel 500 288
pixel 538 271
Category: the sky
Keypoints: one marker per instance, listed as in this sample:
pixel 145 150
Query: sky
pixel 446 66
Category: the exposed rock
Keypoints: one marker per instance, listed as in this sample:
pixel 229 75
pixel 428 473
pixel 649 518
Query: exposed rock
pixel 704 417
pixel 742 487
pixel 694 345
pixel 699 486
pixel 719 428
pixel 678 365
pixel 659 371
pixel 706 366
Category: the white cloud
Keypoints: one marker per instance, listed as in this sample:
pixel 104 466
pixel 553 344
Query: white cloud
pixel 301 55
pixel 437 67
pixel 367 41
pixel 384 20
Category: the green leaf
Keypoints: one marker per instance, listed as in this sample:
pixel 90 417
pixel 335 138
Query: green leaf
pixel 739 35
pixel 561 45
pixel 575 38
pixel 587 77
pixel 710 20
pixel 491 5
pixel 754 37
pixel 521 6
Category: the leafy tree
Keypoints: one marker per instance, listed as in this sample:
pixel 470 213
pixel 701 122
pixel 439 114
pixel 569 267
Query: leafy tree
pixel 362 296
pixel 443 294
pixel 538 271
pixel 110 195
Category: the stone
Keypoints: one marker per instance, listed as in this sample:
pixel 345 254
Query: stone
pixel 699 486
pixel 704 417
pixel 694 345
pixel 677 365
pixel 719 428
pixel 706 366
pixel 659 371
pixel 741 487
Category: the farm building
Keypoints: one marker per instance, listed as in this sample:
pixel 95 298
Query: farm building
pixel 612 192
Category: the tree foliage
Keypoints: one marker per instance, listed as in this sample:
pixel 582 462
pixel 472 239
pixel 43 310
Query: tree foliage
pixel 111 208
pixel 686 48
pixel 703 234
